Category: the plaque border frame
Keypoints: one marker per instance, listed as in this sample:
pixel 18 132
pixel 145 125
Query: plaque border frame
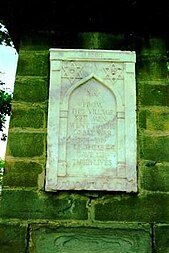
pixel 127 181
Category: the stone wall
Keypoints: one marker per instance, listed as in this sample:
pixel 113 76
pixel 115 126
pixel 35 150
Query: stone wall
pixel 36 221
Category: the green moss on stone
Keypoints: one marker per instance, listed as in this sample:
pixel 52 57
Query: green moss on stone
pixel 28 204
pixel 133 208
pixel 162 238
pixel 51 239
pixel 21 174
pixel 154 177
pixel 142 119
pixel 155 147
pixel 154 95
pixel 25 144
pixel 155 46
pixel 31 89
pixel 33 118
pixel 155 119
pixel 33 63
pixel 98 40
pixel 151 68
pixel 12 237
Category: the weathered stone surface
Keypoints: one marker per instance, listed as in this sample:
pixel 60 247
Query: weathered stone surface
pixel 95 40
pixel 92 121
pixel 155 95
pixel 12 238
pixel 23 174
pixel 28 204
pixel 156 47
pixel 154 147
pixel 27 117
pixel 33 63
pixel 21 144
pixel 154 119
pixel 84 240
pixel 147 208
pixel 162 238
pixel 37 86
pixel 154 176
pixel 151 68
pixel 19 201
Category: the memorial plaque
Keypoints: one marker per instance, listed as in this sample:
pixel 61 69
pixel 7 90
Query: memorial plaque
pixel 91 143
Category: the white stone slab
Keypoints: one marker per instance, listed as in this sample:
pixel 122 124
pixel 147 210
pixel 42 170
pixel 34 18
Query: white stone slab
pixel 91 141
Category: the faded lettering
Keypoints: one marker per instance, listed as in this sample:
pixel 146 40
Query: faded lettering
pixel 91 136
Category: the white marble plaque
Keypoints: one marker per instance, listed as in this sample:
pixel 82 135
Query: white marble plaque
pixel 91 141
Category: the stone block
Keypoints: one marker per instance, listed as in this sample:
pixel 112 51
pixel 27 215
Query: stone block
pixel 162 238
pixel 147 207
pixel 31 89
pixel 154 177
pixel 154 119
pixel 12 237
pixel 98 40
pixel 21 174
pixel 28 204
pixel 155 46
pixel 25 144
pixel 27 117
pixel 154 147
pixel 40 40
pixel 151 68
pixel 33 63
pixel 117 239
pixel 154 95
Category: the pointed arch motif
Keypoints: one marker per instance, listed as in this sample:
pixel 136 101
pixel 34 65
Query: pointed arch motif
pixel 115 92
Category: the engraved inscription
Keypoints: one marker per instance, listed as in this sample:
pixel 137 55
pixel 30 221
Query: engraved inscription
pixel 91 140
pixel 92 130
pixel 93 54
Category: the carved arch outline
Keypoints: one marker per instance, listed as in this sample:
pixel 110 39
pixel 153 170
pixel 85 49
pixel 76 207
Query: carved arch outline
pixel 115 92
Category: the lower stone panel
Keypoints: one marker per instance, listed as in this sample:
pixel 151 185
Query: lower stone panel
pixel 117 239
